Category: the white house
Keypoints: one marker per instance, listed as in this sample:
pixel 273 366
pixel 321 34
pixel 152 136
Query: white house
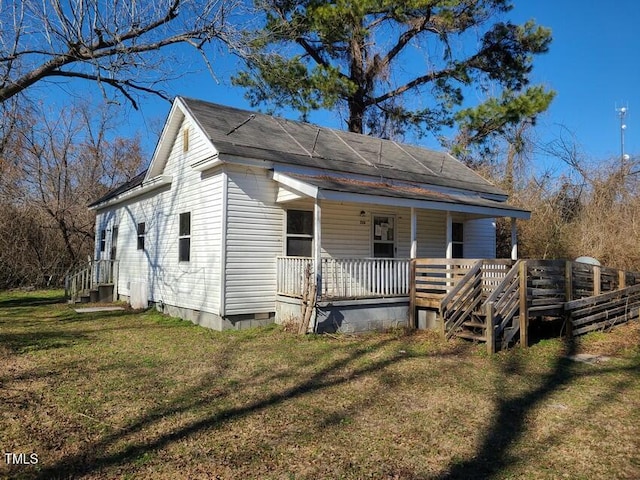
pixel 238 209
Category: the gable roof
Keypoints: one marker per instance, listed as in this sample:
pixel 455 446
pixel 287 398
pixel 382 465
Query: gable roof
pixel 254 135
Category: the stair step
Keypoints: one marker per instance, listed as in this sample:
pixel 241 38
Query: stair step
pixel 471 336
pixel 474 324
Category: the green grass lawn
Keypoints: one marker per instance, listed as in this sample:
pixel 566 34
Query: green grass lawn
pixel 140 395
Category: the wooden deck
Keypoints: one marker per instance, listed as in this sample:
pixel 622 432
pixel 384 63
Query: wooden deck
pixel 493 301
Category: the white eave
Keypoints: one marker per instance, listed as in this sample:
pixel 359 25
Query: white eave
pixel 207 163
pixel 146 187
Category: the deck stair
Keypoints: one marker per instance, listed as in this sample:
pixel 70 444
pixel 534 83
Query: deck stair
pixel 492 301
pixel 464 310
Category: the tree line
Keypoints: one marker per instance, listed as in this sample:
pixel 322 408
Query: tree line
pixel 386 68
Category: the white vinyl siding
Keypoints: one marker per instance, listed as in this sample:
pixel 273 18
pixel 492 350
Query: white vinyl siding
pixel 254 240
pixel 345 233
pixel 194 284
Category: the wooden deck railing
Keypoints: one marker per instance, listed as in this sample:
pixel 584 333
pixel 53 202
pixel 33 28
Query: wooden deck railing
pixel 603 311
pixel 501 308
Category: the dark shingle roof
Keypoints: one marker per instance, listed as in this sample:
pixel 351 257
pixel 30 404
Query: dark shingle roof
pixel 120 189
pixel 255 135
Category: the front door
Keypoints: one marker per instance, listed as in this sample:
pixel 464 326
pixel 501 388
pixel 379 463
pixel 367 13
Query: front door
pixel 384 236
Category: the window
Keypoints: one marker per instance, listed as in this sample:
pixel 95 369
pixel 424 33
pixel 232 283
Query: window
pixel 141 234
pixel 184 237
pixel 103 240
pixel 299 233
pixel 384 240
pixel 457 240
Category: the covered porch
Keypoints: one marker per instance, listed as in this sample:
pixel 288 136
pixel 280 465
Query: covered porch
pixel 349 244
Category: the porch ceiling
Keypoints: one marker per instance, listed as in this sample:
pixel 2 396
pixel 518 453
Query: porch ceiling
pixel 383 193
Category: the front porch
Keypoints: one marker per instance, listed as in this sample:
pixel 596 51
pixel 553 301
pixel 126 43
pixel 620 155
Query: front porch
pixel 344 278
pixel 365 294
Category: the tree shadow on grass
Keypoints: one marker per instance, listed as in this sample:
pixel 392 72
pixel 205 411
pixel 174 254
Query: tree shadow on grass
pixel 32 301
pixel 353 364
pixel 495 456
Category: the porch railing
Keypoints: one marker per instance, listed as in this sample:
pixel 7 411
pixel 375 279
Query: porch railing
pixel 89 276
pixel 292 273
pixel 346 277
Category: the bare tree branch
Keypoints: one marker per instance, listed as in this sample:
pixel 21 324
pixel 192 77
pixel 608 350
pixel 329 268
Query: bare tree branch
pixel 92 40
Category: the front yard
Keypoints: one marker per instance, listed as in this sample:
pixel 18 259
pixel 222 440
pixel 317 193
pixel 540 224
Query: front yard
pixel 140 395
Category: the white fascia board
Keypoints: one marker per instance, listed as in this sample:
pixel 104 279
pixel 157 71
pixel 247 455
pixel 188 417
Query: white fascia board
pixel 207 163
pixel 179 111
pixel 146 187
pixel 247 161
pixel 298 185
pixel 162 150
pixel 424 204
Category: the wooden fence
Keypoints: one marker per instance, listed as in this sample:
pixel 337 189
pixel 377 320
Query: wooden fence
pixel 603 311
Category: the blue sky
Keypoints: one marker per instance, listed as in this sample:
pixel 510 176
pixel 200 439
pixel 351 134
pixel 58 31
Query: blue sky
pixel 592 65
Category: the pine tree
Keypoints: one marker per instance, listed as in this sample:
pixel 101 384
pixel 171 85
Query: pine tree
pixel 395 65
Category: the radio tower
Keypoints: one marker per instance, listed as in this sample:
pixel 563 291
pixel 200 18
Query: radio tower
pixel 622 113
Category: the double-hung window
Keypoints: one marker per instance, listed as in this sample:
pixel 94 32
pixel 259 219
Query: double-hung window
pixel 457 240
pixel 184 237
pixel 141 234
pixel 299 233
pixel 103 240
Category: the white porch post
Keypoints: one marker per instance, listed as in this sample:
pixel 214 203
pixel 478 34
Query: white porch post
pixel 514 240
pixel 414 234
pixel 449 237
pixel 317 243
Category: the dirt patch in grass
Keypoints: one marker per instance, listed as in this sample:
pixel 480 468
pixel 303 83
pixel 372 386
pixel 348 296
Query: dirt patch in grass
pixel 139 395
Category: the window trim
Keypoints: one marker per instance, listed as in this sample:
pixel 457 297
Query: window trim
pixel 184 238
pixel 103 240
pixel 141 232
pixel 386 242
pixel 460 242
pixel 288 235
pixel 114 242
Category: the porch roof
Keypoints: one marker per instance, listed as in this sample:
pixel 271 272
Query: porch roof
pixel 395 194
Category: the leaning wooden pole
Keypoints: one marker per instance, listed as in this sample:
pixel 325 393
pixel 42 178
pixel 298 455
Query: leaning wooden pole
pixel 524 311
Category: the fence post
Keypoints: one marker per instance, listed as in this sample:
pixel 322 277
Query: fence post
pixel 524 311
pixel 490 329
pixel 412 294
pixel 596 280
pixel 622 279
pixel 568 281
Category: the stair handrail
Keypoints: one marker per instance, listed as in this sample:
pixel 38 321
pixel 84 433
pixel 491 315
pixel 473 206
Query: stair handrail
pixel 501 306
pixel 505 282
pixel 459 284
pixel 460 290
